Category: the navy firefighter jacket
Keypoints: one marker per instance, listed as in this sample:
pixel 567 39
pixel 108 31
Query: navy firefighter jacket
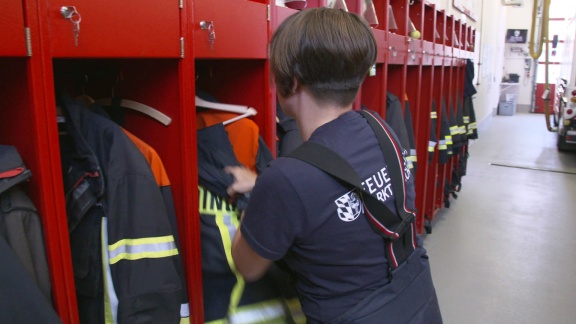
pixel 118 219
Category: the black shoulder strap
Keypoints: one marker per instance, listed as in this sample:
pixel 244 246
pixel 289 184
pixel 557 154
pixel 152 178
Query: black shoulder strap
pixel 387 223
pixel 394 160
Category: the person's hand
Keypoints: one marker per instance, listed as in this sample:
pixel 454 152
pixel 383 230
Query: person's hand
pixel 244 180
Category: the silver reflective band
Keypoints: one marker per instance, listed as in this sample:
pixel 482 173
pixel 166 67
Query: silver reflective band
pixel 150 247
pixel 258 313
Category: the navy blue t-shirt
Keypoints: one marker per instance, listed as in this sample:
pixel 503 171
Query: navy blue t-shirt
pixel 316 224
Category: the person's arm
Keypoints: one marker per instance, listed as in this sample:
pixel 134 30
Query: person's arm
pixel 250 265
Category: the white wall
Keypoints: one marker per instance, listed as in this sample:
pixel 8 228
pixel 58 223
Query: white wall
pixel 489 49
pixel 514 62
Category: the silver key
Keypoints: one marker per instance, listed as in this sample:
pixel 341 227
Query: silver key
pixel 70 13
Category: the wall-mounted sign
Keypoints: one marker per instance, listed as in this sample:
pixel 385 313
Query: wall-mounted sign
pixel 516 36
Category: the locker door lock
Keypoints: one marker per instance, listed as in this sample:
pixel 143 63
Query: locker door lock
pixel 70 13
pixel 209 26
pixel 67 11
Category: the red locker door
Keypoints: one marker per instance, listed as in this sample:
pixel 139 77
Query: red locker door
pixel 111 28
pixel 12 35
pixel 230 29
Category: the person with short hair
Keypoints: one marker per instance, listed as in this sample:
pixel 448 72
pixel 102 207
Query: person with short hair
pixel 305 219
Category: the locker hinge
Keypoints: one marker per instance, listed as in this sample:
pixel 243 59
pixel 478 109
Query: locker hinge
pixel 181 5
pixel 28 41
pixel 182 47
pixel 268 13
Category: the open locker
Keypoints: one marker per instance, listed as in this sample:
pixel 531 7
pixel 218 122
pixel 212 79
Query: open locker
pixel 158 55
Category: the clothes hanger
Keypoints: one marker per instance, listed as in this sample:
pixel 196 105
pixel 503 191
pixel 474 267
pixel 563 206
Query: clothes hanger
pixel 145 109
pixel 244 111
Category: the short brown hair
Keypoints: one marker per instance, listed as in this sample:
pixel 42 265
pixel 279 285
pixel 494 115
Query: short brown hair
pixel 328 50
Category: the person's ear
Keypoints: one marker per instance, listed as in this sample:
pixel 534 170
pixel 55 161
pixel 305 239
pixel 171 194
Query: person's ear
pixel 295 86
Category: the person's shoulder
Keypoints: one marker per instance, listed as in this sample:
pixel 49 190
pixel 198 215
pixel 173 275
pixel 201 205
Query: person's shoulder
pixel 287 165
pixel 289 169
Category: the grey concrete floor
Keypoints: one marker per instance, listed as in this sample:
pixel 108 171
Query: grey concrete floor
pixel 505 250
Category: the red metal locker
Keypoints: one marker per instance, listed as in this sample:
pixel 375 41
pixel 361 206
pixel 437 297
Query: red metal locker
pixel 13 35
pixel 230 29
pixel 109 28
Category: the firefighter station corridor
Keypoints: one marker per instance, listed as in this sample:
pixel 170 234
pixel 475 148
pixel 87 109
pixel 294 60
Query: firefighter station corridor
pixel 504 251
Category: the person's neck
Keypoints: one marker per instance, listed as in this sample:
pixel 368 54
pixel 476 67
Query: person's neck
pixel 312 114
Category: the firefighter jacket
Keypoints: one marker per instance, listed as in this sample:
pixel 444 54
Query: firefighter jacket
pixel 410 130
pixel 395 118
pixel 469 89
pixel 115 113
pixel 19 221
pixel 116 213
pixel 445 143
pixel 163 183
pixel 468 110
pixel 227 297
pixel 470 118
pixel 433 140
pixel 459 116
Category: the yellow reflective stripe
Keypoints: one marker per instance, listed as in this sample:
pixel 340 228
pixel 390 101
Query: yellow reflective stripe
pixel 466 119
pixel 449 140
pixel 453 130
pixel 141 241
pixel 136 249
pixel 462 129
pixel 442 147
pixel 227 225
pixel 431 145
pixel 144 255
pixel 296 311
pixel 472 125
pixel 411 158
pixel 219 321
pixel 433 114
